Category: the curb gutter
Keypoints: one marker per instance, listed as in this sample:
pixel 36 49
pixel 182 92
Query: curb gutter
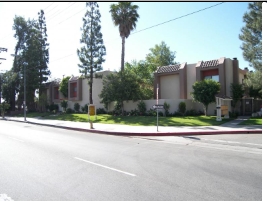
pixel 149 133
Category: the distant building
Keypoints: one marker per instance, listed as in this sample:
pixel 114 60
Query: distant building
pixel 78 91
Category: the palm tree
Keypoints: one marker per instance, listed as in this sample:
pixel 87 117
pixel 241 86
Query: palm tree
pixel 124 15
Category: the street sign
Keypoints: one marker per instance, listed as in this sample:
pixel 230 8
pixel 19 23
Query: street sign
pixel 91 110
pixel 158 106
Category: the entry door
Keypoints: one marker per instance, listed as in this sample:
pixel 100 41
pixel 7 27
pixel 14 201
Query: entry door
pixel 247 106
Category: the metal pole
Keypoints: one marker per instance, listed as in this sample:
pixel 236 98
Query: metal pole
pixel 157 108
pixel 24 103
pixel 157 120
pixel 0 87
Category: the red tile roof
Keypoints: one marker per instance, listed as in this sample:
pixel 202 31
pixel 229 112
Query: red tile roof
pixel 170 68
pixel 210 63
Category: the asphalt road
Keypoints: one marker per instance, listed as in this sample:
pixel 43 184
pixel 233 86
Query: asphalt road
pixel 43 163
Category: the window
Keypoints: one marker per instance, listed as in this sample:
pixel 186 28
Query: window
pixel 213 77
pixel 73 90
pixel 56 93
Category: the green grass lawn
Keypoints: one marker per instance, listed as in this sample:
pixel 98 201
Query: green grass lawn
pixel 135 120
pixel 252 121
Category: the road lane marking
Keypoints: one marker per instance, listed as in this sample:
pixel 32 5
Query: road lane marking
pixel 16 139
pixel 4 197
pixel 105 167
pixel 254 144
pixel 242 150
pixel 226 141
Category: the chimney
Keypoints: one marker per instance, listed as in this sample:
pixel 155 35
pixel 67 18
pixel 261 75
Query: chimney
pixel 246 69
pixel 234 58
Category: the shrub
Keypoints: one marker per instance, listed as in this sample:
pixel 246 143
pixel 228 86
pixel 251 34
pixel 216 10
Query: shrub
pixel 151 112
pixel 178 113
pixel 69 111
pixel 76 107
pixel 85 108
pixel 166 107
pixel 56 107
pixel 182 107
pixel 160 113
pixel 51 107
pixel 3 107
pixel 141 107
pixel 101 111
pixel 233 114
pixel 193 112
pixel 133 112
pixel 64 105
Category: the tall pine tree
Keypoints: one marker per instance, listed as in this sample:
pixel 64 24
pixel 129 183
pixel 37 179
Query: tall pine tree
pixel 251 35
pixel 93 49
pixel 42 67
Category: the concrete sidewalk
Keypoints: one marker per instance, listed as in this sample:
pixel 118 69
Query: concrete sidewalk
pixel 230 127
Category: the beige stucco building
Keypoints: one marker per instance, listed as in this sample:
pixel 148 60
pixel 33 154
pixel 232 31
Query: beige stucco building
pixel 78 91
pixel 175 85
pixel 175 81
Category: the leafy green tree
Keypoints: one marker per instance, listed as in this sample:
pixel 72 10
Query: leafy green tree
pixel 204 92
pixel 160 55
pixel 64 86
pixel 237 91
pixel 20 27
pixel 124 15
pixel 93 50
pixel 255 93
pixel 8 80
pixel 31 55
pixel 144 77
pixel 254 82
pixel 119 87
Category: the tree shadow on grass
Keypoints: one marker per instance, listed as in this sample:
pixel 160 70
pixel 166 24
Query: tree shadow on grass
pixel 163 121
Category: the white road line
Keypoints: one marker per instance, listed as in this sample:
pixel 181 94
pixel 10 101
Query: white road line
pixel 4 197
pixel 105 167
pixel 254 144
pixel 16 139
pixel 252 151
pixel 230 141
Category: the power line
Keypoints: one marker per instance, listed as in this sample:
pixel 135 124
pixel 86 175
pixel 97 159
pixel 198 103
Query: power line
pixel 59 12
pixel 157 24
pixel 136 31
pixel 178 18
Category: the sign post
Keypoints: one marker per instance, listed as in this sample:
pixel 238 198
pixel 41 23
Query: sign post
pixel 157 108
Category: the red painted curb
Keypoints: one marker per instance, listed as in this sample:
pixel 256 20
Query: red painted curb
pixel 155 133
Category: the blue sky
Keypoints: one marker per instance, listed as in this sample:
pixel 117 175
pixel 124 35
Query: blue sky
pixel 206 35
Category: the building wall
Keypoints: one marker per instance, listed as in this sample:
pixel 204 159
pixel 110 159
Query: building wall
pixel 229 77
pixel 97 88
pixel 170 86
pixel 191 79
